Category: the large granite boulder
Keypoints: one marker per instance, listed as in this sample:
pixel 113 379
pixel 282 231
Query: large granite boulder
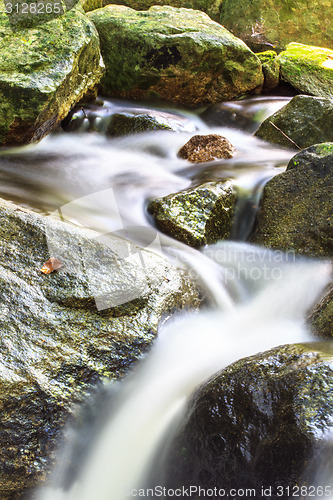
pixel 176 54
pixel 197 216
pixel 64 332
pixel 308 69
pixel 44 71
pixel 296 208
pixel 304 121
pixel 257 424
pixel 266 24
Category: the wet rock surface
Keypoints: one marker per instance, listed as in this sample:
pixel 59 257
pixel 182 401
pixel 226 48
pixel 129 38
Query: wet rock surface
pixel 257 423
pixel 202 148
pixel 66 332
pixel 305 120
pixel 296 208
pixel 44 71
pixel 266 25
pixel 175 54
pixel 321 318
pixel 198 215
pixel 270 68
pixel 308 69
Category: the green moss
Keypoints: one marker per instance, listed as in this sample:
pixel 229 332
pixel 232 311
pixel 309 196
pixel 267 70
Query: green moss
pixel 179 54
pixel 309 69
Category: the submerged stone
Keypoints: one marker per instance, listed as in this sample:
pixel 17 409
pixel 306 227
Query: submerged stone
pixel 65 332
pixel 296 207
pixel 264 24
pixel 304 121
pixel 175 54
pixel 202 148
pixel 257 423
pixel 210 7
pixel 197 216
pixel 44 71
pixel 308 69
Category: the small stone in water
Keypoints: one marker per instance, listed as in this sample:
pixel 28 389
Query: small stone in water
pixel 201 148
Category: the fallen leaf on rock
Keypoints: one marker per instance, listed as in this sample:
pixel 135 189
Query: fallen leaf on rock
pixel 51 265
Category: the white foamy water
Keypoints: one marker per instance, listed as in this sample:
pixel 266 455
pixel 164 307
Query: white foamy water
pixel 188 351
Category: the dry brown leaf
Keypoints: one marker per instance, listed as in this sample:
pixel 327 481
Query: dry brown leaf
pixel 51 265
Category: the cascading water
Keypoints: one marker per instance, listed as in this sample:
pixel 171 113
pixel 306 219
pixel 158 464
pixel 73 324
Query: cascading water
pixel 258 299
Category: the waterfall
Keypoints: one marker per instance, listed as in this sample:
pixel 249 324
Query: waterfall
pixel 275 291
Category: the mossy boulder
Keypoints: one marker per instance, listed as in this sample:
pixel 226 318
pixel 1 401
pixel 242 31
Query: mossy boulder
pixel 198 215
pixel 211 7
pixel 308 69
pixel 65 332
pixel 296 208
pixel 203 148
pixel 257 423
pixel 265 24
pixel 321 318
pixel 44 71
pixel 305 120
pixel 175 54
pixel 270 68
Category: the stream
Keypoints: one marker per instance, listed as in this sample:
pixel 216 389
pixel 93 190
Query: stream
pixel 257 298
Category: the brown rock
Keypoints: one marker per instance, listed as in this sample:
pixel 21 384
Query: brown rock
pixel 201 148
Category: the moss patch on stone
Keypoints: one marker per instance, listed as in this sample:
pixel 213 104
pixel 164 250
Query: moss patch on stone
pixel 178 54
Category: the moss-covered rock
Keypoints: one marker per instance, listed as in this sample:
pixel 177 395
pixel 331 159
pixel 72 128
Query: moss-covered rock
pixel 44 71
pixel 177 54
pixel 305 120
pixel 296 208
pixel 270 68
pixel 321 318
pixel 308 69
pixel 258 422
pixel 55 343
pixel 274 23
pixel 211 7
pixel 198 215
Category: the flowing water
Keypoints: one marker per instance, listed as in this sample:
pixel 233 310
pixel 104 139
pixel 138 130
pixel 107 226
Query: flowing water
pixel 104 184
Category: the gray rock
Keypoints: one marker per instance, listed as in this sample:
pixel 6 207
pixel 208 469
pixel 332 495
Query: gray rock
pixel 305 120
pixel 296 208
pixel 197 216
pixel 65 332
pixel 321 318
pixel 257 423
